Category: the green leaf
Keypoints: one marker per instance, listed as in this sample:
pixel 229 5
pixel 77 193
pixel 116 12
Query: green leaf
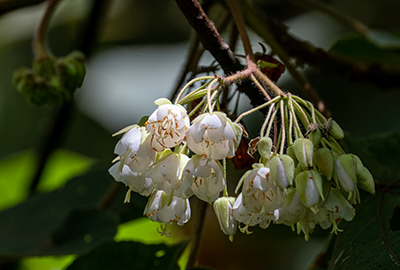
pixel 369 242
pixel 82 229
pixel 364 50
pixel 130 255
pixel 61 166
pixel 56 223
pixel 380 154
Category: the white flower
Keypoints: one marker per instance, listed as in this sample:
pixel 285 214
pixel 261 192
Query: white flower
pixel 214 136
pixel 135 156
pixel 167 125
pixel 223 211
pixel 204 178
pixel 166 172
pixel 259 193
pixel 135 180
pixel 241 214
pixel 335 208
pixel 166 208
pixel 293 210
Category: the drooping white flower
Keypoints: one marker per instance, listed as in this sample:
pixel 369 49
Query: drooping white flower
pixel 166 172
pixel 242 215
pixel 335 208
pixel 167 125
pixel 259 192
pixel 204 178
pixel 214 136
pixel 135 156
pixel 293 210
pixel 167 208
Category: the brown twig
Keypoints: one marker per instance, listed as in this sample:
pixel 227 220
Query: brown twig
pixel 212 41
pixel 305 52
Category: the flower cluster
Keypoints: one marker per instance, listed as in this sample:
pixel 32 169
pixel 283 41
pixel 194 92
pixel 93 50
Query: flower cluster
pixel 303 177
pixel 147 164
pixel 302 183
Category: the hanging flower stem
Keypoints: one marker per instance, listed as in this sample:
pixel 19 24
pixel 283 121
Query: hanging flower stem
pixel 39 44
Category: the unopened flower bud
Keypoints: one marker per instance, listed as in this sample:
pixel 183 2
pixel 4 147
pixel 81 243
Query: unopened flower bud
pixel 346 173
pixel 314 134
pixel 323 159
pixel 282 170
pixel 309 187
pixel 365 181
pixel 264 147
pixel 223 211
pixel 304 149
pixel 335 130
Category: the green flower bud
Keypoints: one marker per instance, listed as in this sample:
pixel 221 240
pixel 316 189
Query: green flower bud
pixel 309 186
pixel 223 211
pixel 264 147
pixel 314 134
pixel 50 80
pixel 366 181
pixel 304 149
pixel 358 165
pixel 345 173
pixel 282 170
pixel 323 159
pixel 335 130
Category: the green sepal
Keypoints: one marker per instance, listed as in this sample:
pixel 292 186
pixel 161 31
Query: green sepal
pixel 323 159
pixel 162 101
pixel 193 96
pixel 290 152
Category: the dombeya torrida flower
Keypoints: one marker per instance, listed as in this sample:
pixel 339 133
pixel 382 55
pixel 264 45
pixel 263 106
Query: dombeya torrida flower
pixel 259 193
pixel 241 214
pixel 204 178
pixel 223 210
pixel 166 172
pixel 214 136
pixel 135 156
pixel 167 125
pixel 167 208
